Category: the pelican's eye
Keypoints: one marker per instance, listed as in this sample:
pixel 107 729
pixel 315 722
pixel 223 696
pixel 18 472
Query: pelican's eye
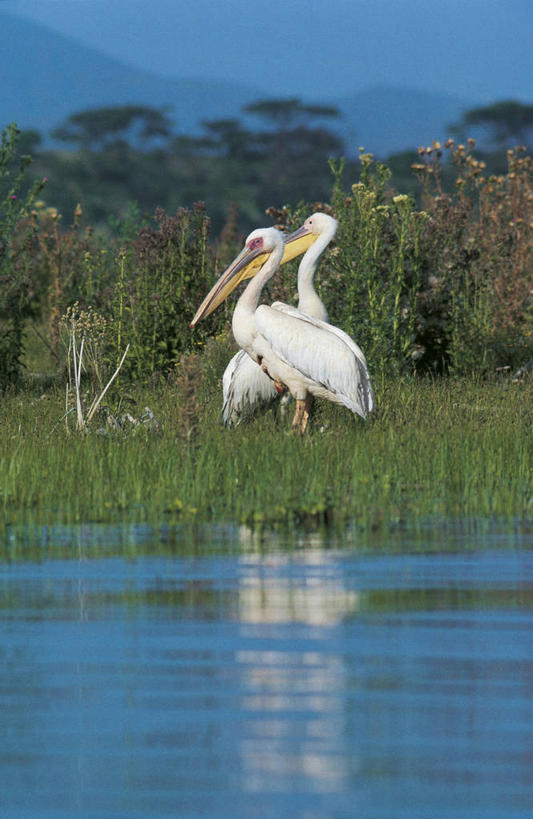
pixel 255 244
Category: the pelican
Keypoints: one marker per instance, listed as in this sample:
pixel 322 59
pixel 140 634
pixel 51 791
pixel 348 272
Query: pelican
pixel 245 387
pixel 298 352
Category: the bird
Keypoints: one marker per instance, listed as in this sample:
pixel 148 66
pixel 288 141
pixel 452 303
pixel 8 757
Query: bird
pixel 300 353
pixel 245 387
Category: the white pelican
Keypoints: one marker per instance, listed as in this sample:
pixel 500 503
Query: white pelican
pixel 303 354
pixel 245 387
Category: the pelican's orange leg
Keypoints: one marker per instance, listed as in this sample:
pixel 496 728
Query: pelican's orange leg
pixel 301 416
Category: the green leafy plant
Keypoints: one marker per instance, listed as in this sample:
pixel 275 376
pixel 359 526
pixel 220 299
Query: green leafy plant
pixel 163 277
pixel 15 280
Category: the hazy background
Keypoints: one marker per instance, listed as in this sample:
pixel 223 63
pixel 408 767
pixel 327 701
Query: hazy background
pixel 481 49
pixel 400 74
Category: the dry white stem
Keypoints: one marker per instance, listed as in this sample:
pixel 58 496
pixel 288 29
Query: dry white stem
pixel 79 411
pixel 81 353
pixel 96 402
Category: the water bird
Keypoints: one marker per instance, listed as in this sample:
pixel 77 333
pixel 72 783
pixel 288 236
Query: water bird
pixel 245 387
pixel 298 352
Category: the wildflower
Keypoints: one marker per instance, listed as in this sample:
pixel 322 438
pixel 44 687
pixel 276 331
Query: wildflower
pixel 13 195
pixel 400 199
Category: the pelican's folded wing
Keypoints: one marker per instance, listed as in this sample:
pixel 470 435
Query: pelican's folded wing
pixel 325 353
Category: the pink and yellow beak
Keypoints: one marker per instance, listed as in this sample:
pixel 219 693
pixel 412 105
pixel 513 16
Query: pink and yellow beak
pixel 297 243
pixel 247 264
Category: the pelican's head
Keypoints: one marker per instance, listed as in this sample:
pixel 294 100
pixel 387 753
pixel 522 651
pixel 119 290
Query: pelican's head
pixel 259 246
pixel 318 224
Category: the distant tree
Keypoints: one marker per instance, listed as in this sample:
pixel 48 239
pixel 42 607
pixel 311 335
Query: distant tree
pixel 29 141
pixel 229 138
pixel 508 122
pixel 187 146
pixel 306 142
pixel 292 131
pixel 97 128
pixel 285 114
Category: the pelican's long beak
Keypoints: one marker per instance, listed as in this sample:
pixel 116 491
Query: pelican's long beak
pixel 246 265
pixel 297 243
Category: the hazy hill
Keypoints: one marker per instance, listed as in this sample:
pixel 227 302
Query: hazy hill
pixel 46 77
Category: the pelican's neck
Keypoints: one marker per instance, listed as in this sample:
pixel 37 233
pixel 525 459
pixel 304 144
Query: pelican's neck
pixel 243 323
pixel 308 299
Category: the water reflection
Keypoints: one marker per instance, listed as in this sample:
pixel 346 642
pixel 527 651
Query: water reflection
pixel 261 678
pixel 303 587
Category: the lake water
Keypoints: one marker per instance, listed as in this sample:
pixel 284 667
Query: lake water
pixel 160 672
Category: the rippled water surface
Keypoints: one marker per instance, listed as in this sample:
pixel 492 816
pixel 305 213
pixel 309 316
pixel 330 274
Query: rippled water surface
pixel 157 673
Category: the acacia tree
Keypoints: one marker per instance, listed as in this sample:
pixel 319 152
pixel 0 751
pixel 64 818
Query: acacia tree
pixel 98 128
pixel 294 149
pixel 228 138
pixel 285 114
pixel 507 122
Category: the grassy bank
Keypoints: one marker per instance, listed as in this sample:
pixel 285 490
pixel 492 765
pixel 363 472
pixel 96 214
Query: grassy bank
pixel 444 448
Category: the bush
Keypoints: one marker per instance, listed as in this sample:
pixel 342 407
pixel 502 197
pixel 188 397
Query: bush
pixel 163 276
pixel 442 287
pixel 16 284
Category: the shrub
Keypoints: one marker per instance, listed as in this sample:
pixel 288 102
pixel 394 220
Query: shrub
pixel 163 276
pixel 16 285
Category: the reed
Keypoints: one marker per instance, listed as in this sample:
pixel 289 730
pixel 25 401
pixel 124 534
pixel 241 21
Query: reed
pixel 434 449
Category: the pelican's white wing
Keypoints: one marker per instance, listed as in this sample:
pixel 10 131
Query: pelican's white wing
pixel 245 389
pixel 330 361
pixel 293 311
pixel 311 307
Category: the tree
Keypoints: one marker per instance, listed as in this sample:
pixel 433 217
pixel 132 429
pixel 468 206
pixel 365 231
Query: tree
pixel 229 138
pixel 508 122
pixel 285 114
pixel 293 150
pixel 98 128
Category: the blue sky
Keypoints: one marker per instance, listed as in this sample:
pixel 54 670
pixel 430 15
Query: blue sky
pixel 316 49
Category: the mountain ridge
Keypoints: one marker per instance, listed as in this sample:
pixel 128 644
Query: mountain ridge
pixel 48 76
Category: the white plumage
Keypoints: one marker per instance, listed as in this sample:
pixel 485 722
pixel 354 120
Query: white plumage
pixel 245 387
pixel 331 362
pixel 304 354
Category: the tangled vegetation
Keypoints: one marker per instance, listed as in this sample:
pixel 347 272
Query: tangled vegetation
pixel 441 288
pixel 435 449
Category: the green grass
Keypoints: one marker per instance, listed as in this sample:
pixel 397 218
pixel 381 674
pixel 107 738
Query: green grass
pixel 433 449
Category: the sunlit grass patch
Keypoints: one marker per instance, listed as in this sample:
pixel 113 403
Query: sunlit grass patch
pixel 446 448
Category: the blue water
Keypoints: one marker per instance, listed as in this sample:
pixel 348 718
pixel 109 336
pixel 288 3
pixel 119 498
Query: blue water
pixel 146 675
